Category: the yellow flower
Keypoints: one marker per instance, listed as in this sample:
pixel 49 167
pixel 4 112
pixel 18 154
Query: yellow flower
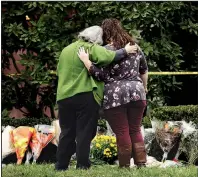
pixel 102 136
pixel 105 137
pixel 112 145
pixel 107 149
pixel 113 140
pixel 98 145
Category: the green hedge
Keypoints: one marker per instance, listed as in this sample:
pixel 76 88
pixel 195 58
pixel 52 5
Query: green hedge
pixel 166 113
pixel 176 113
pixel 25 121
pixel 35 121
pixel 173 113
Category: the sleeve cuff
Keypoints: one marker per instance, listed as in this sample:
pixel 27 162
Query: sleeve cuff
pixel 91 69
pixel 143 72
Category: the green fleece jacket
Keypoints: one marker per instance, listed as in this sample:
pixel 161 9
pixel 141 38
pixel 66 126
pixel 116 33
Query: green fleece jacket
pixel 73 77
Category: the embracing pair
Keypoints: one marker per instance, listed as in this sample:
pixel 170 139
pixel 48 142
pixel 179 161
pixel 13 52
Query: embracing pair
pixel 113 76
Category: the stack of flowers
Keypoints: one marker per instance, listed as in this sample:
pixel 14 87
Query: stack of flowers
pixel 104 148
pixel 167 136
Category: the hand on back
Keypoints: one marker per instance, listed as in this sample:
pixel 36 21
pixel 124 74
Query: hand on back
pixel 82 54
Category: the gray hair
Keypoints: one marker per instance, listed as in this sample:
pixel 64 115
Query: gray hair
pixel 92 34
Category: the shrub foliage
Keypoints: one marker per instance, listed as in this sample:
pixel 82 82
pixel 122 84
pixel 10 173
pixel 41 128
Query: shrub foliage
pixel 173 113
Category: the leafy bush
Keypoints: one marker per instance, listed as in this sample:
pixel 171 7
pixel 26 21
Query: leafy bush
pixel 24 122
pixel 104 148
pixel 173 113
pixel 176 113
pixel 6 120
pixel 146 122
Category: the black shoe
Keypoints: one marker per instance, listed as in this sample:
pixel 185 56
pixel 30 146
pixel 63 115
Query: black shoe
pixel 82 167
pixel 57 168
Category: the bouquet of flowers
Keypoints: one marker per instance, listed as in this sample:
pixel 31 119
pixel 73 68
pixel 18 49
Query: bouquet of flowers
pixel 104 148
pixel 167 135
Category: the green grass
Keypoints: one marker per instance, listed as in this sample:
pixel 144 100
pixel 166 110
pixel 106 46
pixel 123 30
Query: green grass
pixel 47 170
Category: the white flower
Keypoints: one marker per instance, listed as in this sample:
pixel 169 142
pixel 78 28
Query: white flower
pixel 112 71
pixel 105 97
pixel 114 104
pixel 117 89
pixel 135 63
pixel 127 62
pixel 126 98
pixel 138 57
pixel 109 91
pixel 116 66
pixel 135 96
pixel 137 87
pixel 134 73
pixel 115 96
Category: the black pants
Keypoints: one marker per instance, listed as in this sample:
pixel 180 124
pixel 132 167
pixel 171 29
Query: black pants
pixel 78 116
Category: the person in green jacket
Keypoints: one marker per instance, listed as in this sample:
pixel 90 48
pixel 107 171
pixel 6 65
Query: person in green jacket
pixel 79 96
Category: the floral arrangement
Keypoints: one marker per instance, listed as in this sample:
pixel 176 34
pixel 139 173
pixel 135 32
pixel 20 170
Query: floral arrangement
pixel 104 148
pixel 167 135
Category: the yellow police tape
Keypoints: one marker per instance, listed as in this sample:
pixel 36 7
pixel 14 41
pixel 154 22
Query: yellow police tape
pixel 162 73
pixel 150 73
pixel 173 73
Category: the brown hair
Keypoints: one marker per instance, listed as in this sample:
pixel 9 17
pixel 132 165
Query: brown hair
pixel 113 32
